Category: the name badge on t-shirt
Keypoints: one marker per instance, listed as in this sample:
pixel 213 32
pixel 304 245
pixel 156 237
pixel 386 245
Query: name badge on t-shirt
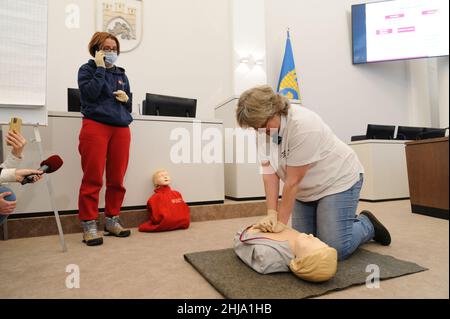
pixel 284 151
pixel 121 85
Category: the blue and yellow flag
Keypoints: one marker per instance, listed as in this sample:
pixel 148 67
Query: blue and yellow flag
pixel 288 85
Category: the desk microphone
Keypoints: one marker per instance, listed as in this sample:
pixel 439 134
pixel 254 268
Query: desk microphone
pixel 51 164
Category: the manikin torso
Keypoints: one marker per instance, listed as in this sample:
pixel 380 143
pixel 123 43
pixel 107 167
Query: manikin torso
pixel 301 244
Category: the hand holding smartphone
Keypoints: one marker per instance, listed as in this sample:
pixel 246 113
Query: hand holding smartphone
pixel 100 59
pixel 15 125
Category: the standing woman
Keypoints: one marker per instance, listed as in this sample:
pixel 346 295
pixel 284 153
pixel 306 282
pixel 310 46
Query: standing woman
pixel 322 175
pixel 104 137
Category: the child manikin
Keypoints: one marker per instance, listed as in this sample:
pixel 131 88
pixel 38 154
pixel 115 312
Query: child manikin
pixel 168 211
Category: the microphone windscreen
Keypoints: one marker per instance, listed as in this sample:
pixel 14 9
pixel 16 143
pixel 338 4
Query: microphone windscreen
pixel 54 162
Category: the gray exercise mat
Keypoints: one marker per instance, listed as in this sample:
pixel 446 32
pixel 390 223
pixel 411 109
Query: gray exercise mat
pixel 235 280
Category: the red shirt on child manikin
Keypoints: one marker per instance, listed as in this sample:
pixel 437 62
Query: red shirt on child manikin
pixel 168 211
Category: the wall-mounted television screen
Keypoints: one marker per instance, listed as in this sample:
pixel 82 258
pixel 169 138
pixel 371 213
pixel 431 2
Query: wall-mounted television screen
pixel 399 30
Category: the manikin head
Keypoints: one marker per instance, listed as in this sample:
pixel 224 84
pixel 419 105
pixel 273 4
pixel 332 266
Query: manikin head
pixel 314 260
pixel 161 178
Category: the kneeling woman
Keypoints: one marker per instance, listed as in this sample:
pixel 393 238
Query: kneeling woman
pixel 322 175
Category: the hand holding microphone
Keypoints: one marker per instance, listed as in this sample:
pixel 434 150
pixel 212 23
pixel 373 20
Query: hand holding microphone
pixel 50 165
pixel 32 175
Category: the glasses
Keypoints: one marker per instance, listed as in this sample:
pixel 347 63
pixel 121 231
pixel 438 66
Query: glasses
pixel 108 50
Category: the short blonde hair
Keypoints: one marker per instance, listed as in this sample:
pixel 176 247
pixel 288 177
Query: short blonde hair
pixel 258 105
pixel 321 265
pixel 155 176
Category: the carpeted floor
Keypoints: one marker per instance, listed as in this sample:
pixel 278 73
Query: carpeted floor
pixel 152 265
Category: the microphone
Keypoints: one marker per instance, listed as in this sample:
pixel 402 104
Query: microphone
pixel 51 164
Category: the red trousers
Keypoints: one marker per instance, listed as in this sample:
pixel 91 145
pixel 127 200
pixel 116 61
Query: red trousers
pixel 102 146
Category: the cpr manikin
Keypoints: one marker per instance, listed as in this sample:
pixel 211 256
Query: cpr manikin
pixel 285 250
pixel 168 211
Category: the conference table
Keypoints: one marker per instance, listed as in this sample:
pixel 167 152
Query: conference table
pixel 152 143
pixel 384 162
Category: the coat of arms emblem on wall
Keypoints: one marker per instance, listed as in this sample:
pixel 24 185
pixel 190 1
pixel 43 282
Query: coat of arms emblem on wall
pixel 123 18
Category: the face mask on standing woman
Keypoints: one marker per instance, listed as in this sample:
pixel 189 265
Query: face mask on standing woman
pixel 110 57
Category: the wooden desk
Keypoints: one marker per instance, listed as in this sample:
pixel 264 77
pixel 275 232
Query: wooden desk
pixel 427 162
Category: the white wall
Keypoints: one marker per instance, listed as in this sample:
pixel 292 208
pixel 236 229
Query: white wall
pixel 189 50
pixel 348 97
pixel 442 66
pixel 185 52
pixel 428 99
pixel 249 41
pixel 419 113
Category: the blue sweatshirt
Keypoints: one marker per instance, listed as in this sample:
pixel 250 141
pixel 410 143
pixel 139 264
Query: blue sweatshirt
pixel 98 102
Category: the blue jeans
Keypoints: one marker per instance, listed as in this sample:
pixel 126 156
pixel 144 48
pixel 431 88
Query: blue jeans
pixel 12 197
pixel 333 220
